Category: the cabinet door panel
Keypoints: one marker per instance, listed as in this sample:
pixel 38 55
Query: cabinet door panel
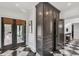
pixel 39 28
pixel 60 43
pixel 47 30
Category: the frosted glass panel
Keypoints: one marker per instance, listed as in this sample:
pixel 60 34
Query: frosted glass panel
pixel 51 27
pixel 39 32
pixel 7 34
pixel 20 34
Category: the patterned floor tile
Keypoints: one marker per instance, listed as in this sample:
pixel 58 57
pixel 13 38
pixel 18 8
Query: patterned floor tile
pixel 7 53
pixel 21 51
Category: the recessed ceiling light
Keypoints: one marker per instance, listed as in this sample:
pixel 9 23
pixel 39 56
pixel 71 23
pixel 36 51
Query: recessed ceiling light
pixel 17 5
pixel 69 4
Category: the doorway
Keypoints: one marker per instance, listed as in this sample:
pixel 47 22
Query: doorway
pixel 13 33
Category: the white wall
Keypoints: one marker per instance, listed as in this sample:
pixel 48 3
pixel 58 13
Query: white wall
pixel 32 36
pixel 69 22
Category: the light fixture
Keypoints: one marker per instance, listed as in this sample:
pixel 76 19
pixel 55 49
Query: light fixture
pixel 60 26
pixel 23 10
pixel 47 12
pixel 17 5
pixel 69 4
pixel 40 13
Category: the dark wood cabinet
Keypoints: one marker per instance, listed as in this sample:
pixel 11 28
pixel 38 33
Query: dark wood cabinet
pixel 60 44
pixel 47 18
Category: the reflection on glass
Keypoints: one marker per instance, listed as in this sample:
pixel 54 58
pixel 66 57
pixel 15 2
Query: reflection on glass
pixel 51 27
pixel 20 34
pixel 7 34
pixel 39 30
pixel 60 26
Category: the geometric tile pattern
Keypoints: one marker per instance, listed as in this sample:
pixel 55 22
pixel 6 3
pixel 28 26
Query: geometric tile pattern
pixel 70 50
pixel 21 51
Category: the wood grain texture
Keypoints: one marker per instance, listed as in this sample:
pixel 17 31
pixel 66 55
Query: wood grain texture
pixel 46 15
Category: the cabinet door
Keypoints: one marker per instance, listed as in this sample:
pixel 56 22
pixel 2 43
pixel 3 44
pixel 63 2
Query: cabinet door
pixel 39 28
pixel 60 44
pixel 47 28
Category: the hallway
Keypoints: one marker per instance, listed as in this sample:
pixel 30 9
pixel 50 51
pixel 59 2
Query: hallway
pixel 39 29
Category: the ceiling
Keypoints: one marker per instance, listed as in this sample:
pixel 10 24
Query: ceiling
pixel 68 9
pixel 24 6
pixel 63 6
pixel 17 6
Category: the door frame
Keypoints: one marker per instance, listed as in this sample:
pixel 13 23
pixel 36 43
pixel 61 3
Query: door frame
pixel 14 35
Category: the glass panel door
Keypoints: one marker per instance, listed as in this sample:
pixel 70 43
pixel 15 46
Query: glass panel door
pixel 7 34
pixel 13 32
pixel 20 34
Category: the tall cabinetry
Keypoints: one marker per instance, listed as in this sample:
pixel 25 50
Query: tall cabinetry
pixel 47 17
pixel 60 44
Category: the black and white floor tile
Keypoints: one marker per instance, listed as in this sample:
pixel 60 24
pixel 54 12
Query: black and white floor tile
pixel 71 49
pixel 21 51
